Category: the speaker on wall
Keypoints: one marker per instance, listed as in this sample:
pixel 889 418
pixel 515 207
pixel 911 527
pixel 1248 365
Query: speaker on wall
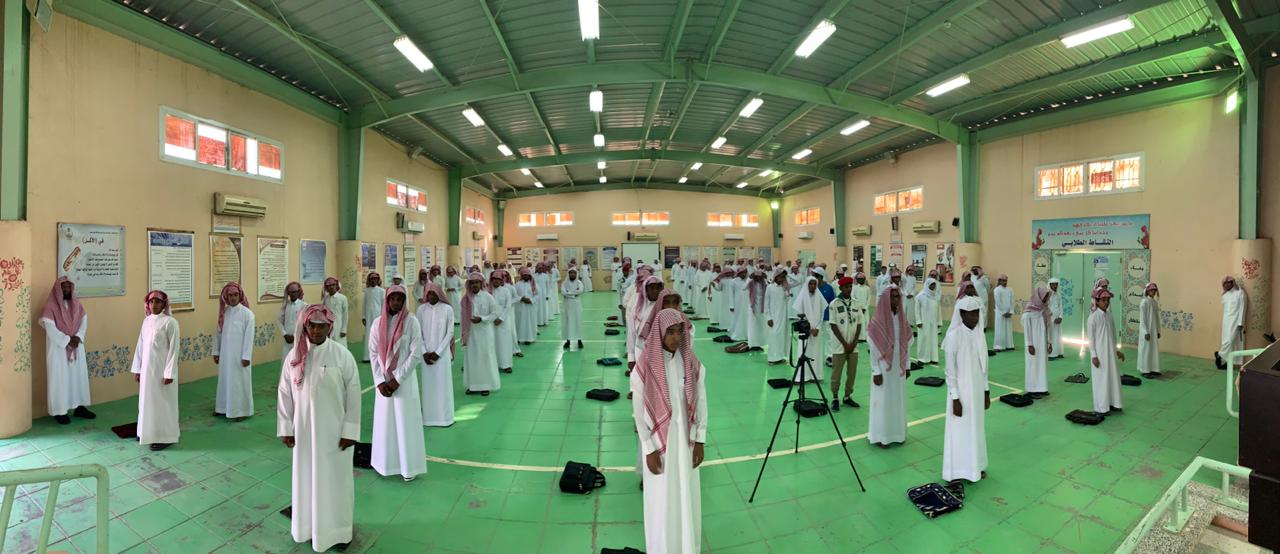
pixel 779 235
pixel 955 222
pixel 831 231
pixel 894 222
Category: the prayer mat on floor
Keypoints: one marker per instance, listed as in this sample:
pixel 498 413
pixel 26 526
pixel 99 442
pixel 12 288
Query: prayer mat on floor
pixel 934 500
pixel 126 431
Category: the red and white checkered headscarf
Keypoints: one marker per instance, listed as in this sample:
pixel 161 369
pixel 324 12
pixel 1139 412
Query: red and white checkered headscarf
pixel 652 371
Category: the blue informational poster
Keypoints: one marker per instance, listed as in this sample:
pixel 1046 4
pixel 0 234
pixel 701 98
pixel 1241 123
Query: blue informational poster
pixel 390 263
pixel 311 257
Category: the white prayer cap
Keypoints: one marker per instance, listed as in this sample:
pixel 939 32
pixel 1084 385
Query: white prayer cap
pixel 969 304
pixel 820 271
pixel 1054 281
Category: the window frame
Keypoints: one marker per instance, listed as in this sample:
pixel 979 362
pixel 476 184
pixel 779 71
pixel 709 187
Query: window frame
pixel 468 220
pixel 639 222
pixel 166 111
pixel 736 220
pixel 815 209
pixel 897 206
pixel 540 219
pixel 1085 176
pixel 399 183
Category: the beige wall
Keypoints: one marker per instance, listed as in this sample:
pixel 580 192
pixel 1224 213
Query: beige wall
pixel 823 242
pixel 385 159
pixel 466 240
pixel 1269 203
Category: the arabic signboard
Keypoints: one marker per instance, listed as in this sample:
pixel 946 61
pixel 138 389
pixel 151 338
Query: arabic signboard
pixel 1118 232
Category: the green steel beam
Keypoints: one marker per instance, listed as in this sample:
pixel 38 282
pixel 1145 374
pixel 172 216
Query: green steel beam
pixel 120 20
pixel 590 158
pixel 502 43
pixel 684 108
pixel 382 14
pixel 968 179
pixel 677 31
pixel 829 9
pixel 453 186
pixel 350 176
pixel 733 118
pixel 442 137
pixel 727 13
pixel 838 192
pixel 649 72
pixel 824 135
pixel 546 127
pixel 712 179
pixel 811 185
pixel 499 222
pixel 775 220
pixel 939 18
pixel 788 121
pixel 651 109
pixel 1194 88
pixel 591 51
pixel 478 188
pixel 861 145
pixel 1228 21
pixel 524 193
pixel 1251 118
pixel 13 117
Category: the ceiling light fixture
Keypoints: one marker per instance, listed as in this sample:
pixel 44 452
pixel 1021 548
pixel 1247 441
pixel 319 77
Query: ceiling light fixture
pixel 1233 101
pixel 742 185
pixel 596 101
pixel 719 142
pixel 684 180
pixel 600 165
pixel 411 52
pixel 473 117
pixel 525 171
pixel 766 173
pixel 603 179
pixel 816 37
pixel 751 107
pixel 1104 29
pixel 537 184
pixel 505 151
pixel 801 154
pixel 589 19
pixel 773 204
pixel 598 140
pixel 696 166
pixel 949 85
pixel 855 128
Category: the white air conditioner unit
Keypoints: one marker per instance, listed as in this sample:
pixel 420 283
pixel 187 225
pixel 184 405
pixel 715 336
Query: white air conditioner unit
pixel 735 236
pixel 805 235
pixel 862 231
pixel 642 236
pixel 404 225
pixel 549 236
pixel 927 227
pixel 477 235
pixel 243 206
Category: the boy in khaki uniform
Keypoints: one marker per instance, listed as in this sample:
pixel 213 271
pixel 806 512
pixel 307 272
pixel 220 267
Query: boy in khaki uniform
pixel 845 323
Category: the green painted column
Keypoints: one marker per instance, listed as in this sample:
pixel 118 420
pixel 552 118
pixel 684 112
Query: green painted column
pixel 775 218
pixel 1253 92
pixel 837 196
pixel 967 179
pixel 499 221
pixel 455 206
pixel 13 113
pixel 350 172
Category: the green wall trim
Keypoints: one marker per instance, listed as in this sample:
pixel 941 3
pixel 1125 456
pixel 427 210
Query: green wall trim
pixel 1251 108
pixel 350 175
pixel 454 215
pixel 590 158
pixel 123 21
pixel 13 113
pixel 838 191
pixel 968 179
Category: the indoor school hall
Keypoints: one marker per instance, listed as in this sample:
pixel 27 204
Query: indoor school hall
pixel 627 276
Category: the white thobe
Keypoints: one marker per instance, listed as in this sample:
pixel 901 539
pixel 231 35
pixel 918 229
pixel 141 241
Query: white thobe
pixel 741 308
pixel 504 334
pixel 480 366
pixel 338 305
pixel 541 299
pixel 1106 377
pixel 811 307
pixel 436 379
pixel 1036 369
pixel 317 413
pixel 701 295
pixel 720 301
pixel 398 444
pixel 775 308
pixel 1148 325
pixel 964 449
pixel 553 292
pixel 526 313
pixel 757 321
pixel 288 322
pixel 672 499
pixel 617 279
pixel 1232 322
pixel 679 279
pixel 1055 329
pixel 419 290
pixel 1003 339
pixel 983 286
pixel 155 359
pixel 927 309
pixel 887 420
pixel 68 380
pixel 908 287
pixel 794 282
pixel 571 322
pixel 453 289
pixel 373 299
pixel 635 342
pixel 584 273
pixel 861 295
pixel 882 282
pixel 233 344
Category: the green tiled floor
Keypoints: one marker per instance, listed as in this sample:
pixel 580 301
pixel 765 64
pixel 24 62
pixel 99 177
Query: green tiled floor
pixel 1052 486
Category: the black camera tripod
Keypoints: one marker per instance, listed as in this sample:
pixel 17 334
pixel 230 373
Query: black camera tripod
pixel 804 368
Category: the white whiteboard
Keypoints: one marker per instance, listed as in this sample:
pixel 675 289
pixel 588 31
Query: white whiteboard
pixel 642 251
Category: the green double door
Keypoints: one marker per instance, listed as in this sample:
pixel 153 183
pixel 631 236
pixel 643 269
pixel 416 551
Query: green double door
pixel 1077 270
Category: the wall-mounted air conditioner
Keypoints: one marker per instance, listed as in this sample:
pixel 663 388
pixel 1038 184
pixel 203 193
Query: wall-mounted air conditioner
pixel 549 236
pixel 927 227
pixel 243 206
pixel 477 235
pixel 405 225
pixel 862 231
pixel 642 236
pixel 735 236
pixel 805 235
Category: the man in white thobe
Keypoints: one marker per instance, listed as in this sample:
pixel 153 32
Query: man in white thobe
pixel 288 318
pixel 553 288
pixel 398 445
pixel 480 366
pixel 1055 320
pixel 1233 308
pixel 741 306
pixel 1003 297
pixel 233 352
pixel 504 327
pixel 333 299
pixel 318 417
pixel 862 296
pixel 757 312
pixel 419 287
pixel 639 313
pixel 964 450
pixel 543 299
pixel 778 331
pixel 1149 332
pixel 928 320
pixel 1105 353
pixel 435 316
pixel 155 369
pixel 1035 335
pixel 888 339
pixel 374 295
pixel 702 292
pixel 982 284
pixel 571 322
pixel 525 308
pixel 844 328
pixel 65 322
pixel 679 278
pixel 669 405
pixel 453 286
pixel 811 304
pixel 795 284
pixel 584 273
pixel 908 286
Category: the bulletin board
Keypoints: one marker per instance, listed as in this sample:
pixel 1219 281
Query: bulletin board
pixel 92 256
pixel 638 251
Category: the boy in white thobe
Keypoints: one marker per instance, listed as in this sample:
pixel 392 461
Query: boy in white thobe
pixel 757 312
pixel 233 352
pixel 1233 306
pixel 810 303
pixel 1055 320
pixel 964 450
pixel 65 322
pixel 398 446
pixel 722 314
pixel 318 417
pixel 888 338
pixel 1035 325
pixel 1003 339
pixel 553 289
pixel 480 366
pixel 778 331
pixel 374 295
pixel 543 299
pixel 504 327
pixel 982 284
pixel 638 315
pixel 571 323
pixel 288 318
pixel 333 299
pixel 741 306
pixel 585 276
pixel 436 378
pixel 1149 332
pixel 525 308
pixel 927 322
pixel 908 286
pixel 453 286
pixel 670 409
pixel 155 368
pixel 861 295
pixel 1103 349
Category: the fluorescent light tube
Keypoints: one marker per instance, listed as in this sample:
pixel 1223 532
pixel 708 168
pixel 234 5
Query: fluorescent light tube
pixel 751 107
pixel 410 51
pixel 766 172
pixel 525 171
pixel 600 165
pixel 695 167
pixel 949 85
pixel 719 142
pixel 603 179
pixel 505 151
pixel 801 154
pixel 742 185
pixel 684 180
pixel 820 34
pixel 1098 31
pixel 855 127
pixel 589 19
pixel 596 101
pixel 473 117
pixel 1233 101
pixel 537 184
pixel 598 140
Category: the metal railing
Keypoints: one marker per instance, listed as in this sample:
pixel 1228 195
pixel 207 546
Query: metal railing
pixel 1178 492
pixel 1231 381
pixel 55 476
